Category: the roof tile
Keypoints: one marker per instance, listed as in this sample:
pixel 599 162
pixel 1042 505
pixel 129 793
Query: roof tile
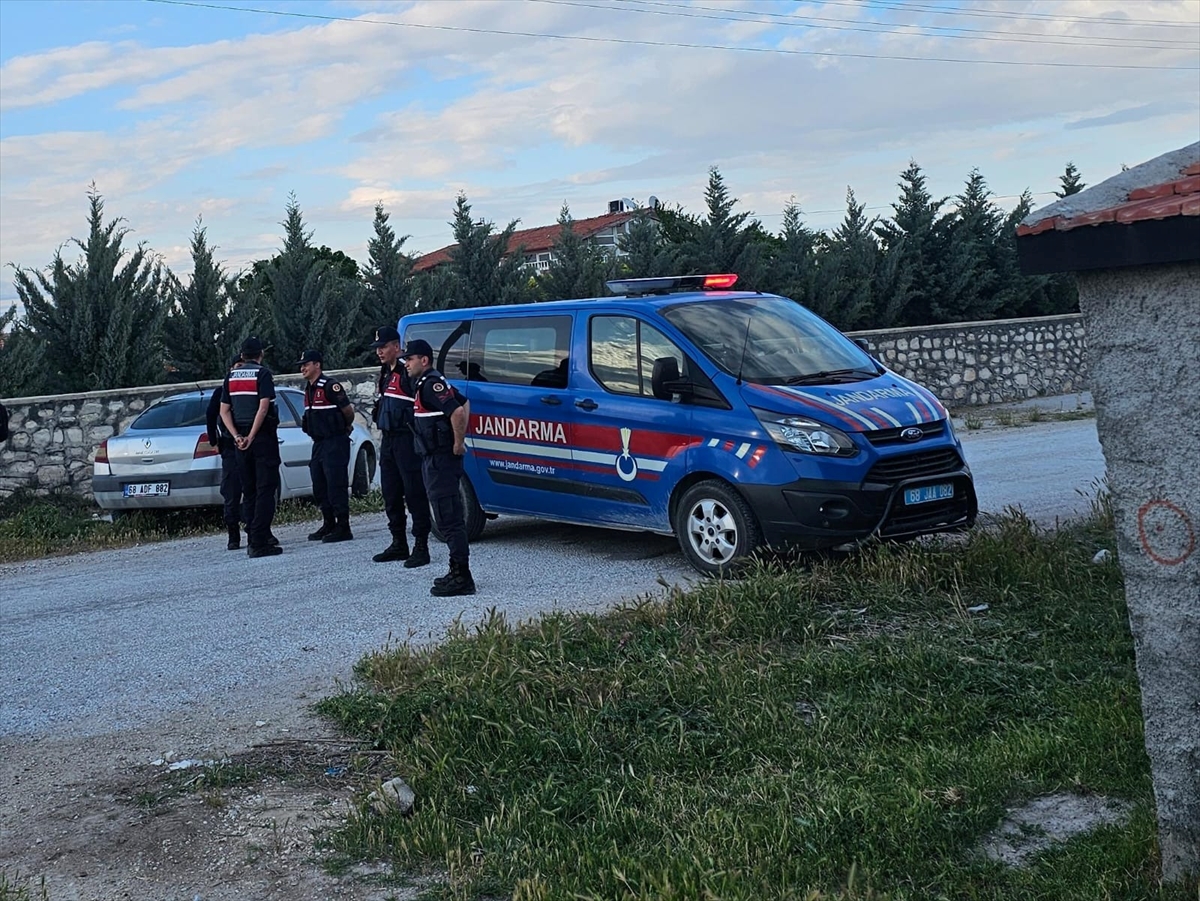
pixel 1193 169
pixel 1154 208
pixel 1153 191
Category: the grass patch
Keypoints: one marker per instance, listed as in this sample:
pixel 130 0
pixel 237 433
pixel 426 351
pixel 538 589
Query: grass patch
pixel 15 887
pixel 846 731
pixel 33 526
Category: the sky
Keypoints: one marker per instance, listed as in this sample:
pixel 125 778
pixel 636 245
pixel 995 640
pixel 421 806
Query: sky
pixel 215 112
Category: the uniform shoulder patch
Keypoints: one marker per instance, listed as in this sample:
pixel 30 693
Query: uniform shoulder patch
pixel 336 386
pixel 438 387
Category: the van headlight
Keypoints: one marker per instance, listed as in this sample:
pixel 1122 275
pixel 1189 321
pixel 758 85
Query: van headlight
pixel 806 436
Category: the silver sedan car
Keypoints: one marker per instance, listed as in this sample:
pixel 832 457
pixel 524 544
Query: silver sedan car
pixel 163 459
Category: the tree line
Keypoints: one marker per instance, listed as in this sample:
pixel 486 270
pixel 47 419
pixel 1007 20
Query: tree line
pixel 118 317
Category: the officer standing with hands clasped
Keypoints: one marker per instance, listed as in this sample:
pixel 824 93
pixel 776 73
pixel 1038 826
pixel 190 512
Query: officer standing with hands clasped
pixel 231 478
pixel 250 415
pixel 328 421
pixel 442 415
pixel 399 466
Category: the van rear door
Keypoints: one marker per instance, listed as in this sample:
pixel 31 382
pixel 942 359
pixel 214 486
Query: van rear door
pixel 520 432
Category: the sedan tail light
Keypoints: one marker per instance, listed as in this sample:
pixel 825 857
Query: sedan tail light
pixel 102 452
pixel 203 448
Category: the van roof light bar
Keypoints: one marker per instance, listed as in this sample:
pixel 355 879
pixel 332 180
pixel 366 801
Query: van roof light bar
pixel 637 287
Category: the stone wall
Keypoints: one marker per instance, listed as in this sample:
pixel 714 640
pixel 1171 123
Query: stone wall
pixel 972 363
pixel 54 438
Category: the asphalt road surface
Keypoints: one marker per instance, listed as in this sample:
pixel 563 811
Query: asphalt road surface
pixel 97 643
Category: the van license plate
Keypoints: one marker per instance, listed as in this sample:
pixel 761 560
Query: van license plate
pixel 148 489
pixel 927 493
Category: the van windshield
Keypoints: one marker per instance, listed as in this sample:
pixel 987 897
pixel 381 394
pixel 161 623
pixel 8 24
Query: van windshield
pixel 771 341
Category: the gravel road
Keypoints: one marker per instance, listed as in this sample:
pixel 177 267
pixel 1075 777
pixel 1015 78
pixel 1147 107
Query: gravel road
pixel 102 642
pixel 113 661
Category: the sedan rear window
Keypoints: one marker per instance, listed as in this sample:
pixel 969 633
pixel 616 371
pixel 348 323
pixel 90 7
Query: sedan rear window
pixel 173 413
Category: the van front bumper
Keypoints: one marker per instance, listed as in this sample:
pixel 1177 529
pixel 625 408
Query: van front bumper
pixel 810 514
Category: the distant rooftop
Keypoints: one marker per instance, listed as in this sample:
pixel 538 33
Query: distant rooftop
pixel 534 240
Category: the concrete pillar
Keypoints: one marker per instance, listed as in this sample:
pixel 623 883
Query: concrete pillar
pixel 1143 345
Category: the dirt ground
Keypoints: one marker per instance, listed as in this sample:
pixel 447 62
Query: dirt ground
pixel 102 819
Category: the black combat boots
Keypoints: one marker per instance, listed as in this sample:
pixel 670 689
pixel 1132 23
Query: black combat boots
pixel 420 554
pixel 326 527
pixel 235 537
pixel 456 582
pixel 341 530
pixel 397 550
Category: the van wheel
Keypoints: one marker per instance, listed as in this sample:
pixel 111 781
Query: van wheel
pixel 715 527
pixel 473 516
pixel 360 484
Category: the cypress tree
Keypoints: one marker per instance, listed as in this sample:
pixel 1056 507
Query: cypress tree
pixel 99 321
pixel 723 242
pixel 848 271
pixel 577 269
pixel 481 270
pixel 644 251
pixel 1069 182
pixel 968 265
pixel 197 327
pixel 312 304
pixel 387 279
pixel 793 267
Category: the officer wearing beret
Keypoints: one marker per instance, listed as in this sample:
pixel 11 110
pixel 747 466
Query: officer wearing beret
pixel 231 479
pixel 250 415
pixel 328 421
pixel 442 415
pixel 399 466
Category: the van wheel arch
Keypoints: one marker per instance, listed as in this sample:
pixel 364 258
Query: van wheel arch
pixel 738 533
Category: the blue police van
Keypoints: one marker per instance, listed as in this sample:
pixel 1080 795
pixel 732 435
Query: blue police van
pixel 731 419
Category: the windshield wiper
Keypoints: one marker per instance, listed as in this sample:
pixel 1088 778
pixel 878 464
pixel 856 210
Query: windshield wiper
pixel 827 376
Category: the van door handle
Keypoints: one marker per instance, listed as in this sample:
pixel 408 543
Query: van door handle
pixel 551 400
pixel 586 404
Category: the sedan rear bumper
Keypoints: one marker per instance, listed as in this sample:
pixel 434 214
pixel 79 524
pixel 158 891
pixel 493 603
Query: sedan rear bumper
pixel 189 489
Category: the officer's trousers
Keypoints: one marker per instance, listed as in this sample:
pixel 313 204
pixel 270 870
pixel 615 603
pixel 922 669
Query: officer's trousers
pixel 329 468
pixel 259 468
pixel 400 480
pixel 442 473
pixel 237 506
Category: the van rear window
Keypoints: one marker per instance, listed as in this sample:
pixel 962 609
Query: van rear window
pixel 449 342
pixel 524 350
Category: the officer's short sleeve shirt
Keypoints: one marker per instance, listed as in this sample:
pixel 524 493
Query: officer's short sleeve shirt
pixel 438 394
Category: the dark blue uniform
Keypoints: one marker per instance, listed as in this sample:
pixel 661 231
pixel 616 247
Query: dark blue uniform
pixel 259 463
pixel 325 423
pixel 434 400
pixel 231 479
pixel 399 465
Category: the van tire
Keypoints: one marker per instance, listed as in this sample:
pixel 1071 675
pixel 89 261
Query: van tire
pixel 473 516
pixel 715 527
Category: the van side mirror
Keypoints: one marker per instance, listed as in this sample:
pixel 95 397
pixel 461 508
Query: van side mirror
pixel 665 381
pixel 863 345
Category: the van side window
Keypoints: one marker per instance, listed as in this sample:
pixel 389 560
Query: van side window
pixel 623 351
pixel 449 342
pixel 525 350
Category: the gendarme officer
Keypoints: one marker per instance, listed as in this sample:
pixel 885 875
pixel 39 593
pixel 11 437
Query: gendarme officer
pixel 250 415
pixel 235 509
pixel 399 466
pixel 328 421
pixel 442 415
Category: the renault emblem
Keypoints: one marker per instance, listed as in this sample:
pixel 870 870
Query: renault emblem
pixel 146 443
pixel 912 433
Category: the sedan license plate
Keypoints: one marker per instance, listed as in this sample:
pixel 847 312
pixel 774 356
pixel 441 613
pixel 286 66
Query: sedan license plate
pixel 148 489
pixel 927 493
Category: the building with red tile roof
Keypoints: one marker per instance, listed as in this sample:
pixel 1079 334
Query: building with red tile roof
pixel 1133 243
pixel 537 244
pixel 1147 214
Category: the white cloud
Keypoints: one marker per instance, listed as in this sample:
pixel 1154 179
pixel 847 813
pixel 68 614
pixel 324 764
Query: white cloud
pixel 348 113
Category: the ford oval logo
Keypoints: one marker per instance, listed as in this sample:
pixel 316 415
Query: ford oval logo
pixel 912 433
